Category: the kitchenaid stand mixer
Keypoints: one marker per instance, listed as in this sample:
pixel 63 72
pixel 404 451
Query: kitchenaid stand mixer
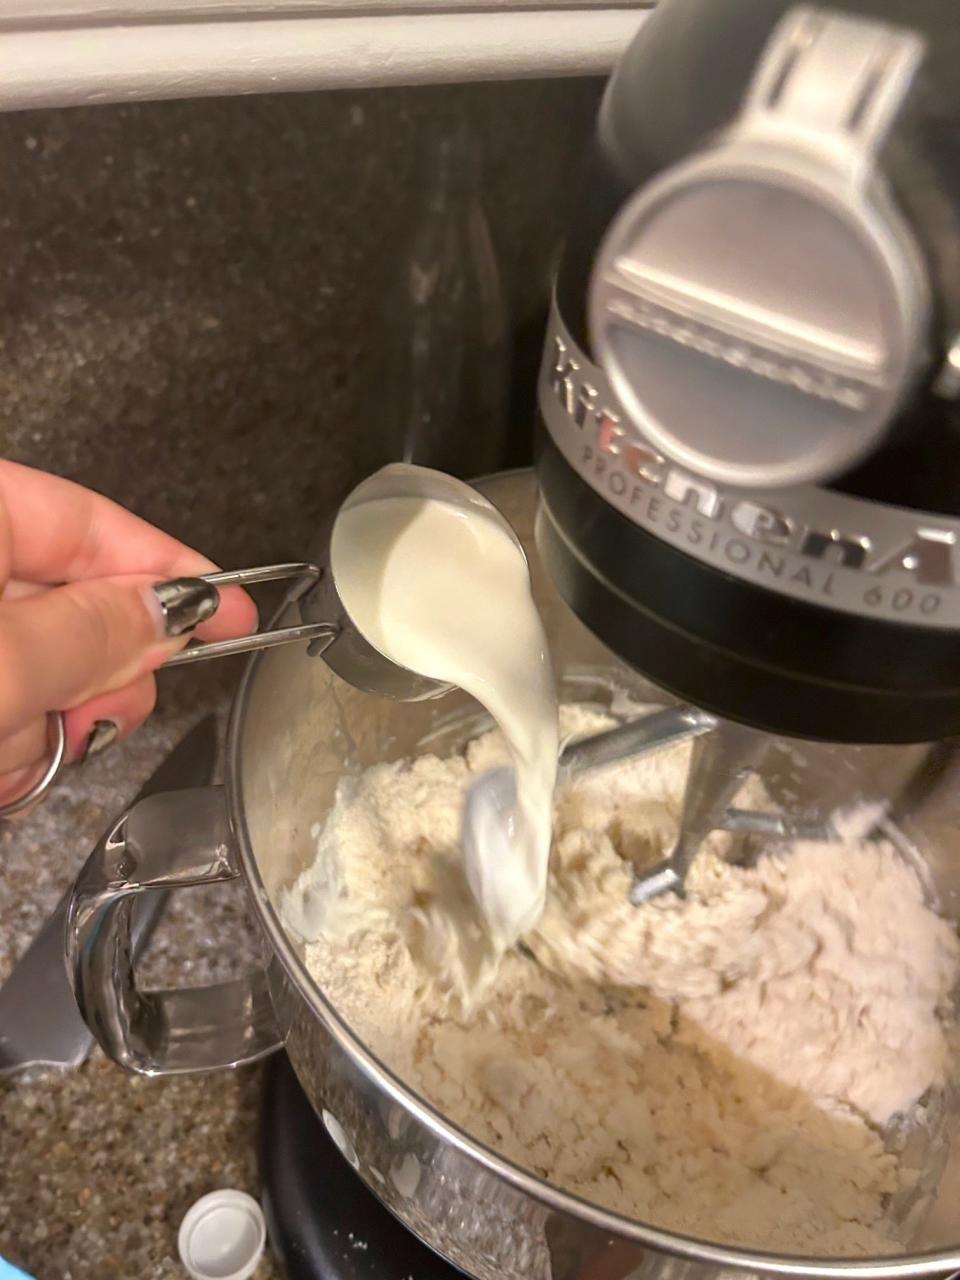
pixel 749 462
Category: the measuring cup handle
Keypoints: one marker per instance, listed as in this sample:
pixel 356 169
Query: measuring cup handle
pixel 309 574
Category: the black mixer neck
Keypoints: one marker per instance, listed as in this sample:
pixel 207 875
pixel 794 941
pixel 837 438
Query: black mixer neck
pixel 826 609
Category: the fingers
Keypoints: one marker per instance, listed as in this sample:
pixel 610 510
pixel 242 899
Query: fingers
pixel 14 785
pixel 235 616
pixel 81 626
pixel 61 532
pixel 25 748
pixel 53 531
pixel 24 756
pixel 6 546
pixel 109 718
pixel 67 645
pixel 90 729
pixel 16 590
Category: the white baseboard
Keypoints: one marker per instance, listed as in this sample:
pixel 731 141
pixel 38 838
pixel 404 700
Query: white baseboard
pixel 61 62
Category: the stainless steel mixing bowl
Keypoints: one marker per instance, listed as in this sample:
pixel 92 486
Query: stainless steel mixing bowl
pixel 296 730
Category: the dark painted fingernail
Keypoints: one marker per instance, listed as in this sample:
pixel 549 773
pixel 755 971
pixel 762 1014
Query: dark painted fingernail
pixel 99 738
pixel 185 603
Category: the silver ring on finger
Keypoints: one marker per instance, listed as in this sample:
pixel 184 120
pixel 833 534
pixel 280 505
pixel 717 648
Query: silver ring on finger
pixel 58 734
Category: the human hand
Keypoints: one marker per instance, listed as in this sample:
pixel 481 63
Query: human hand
pixel 82 627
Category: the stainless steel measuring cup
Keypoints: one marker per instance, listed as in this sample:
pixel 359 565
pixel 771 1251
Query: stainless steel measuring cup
pixel 326 624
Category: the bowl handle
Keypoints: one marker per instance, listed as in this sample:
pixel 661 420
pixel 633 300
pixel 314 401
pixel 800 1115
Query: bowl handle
pixel 167 841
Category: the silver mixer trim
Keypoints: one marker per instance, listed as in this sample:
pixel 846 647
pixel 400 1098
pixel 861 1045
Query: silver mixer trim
pixel 770 278
pixel 843 553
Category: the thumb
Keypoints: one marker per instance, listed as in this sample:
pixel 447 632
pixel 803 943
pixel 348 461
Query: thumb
pixel 62 647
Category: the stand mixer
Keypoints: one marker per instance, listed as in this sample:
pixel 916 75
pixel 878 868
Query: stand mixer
pixel 750 485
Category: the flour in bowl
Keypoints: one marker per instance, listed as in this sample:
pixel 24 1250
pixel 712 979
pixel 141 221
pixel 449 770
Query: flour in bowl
pixel 723 1066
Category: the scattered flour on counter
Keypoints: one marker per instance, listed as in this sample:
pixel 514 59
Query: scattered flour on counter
pixel 721 1066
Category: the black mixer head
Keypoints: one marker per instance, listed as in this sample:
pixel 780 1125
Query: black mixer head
pixel 750 455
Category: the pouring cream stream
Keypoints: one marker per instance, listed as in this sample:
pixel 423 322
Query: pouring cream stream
pixel 444 590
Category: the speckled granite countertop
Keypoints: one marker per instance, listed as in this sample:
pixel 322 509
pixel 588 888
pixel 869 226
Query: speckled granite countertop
pixel 97 1167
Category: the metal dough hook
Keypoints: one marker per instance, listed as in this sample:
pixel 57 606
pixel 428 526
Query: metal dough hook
pixel 719 762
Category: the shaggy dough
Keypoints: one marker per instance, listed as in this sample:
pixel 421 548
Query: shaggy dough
pixel 724 1066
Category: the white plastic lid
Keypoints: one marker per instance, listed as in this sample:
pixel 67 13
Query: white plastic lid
pixel 222 1236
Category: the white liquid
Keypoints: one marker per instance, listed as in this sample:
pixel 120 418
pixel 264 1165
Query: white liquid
pixel 445 592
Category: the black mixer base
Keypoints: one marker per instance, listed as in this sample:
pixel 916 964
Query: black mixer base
pixel 323 1222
